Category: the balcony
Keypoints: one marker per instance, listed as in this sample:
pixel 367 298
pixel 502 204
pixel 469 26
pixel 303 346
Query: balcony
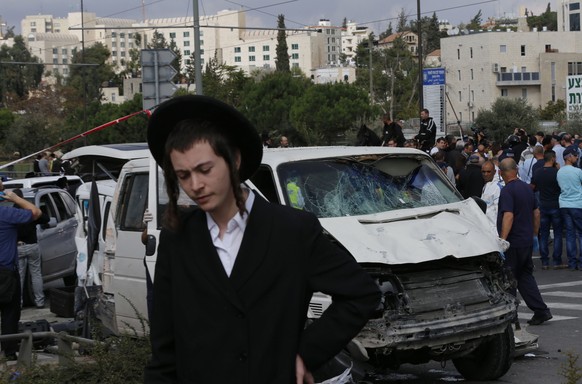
pixel 518 78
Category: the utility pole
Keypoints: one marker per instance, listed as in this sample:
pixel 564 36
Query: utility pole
pixel 197 54
pixel 420 66
pixel 370 45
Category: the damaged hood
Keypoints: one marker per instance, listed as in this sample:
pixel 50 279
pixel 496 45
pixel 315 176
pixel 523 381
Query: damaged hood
pixel 415 235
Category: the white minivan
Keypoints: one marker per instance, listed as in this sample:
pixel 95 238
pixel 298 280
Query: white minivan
pixel 434 255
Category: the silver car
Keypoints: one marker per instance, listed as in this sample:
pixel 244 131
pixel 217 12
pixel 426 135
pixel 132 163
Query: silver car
pixel 56 239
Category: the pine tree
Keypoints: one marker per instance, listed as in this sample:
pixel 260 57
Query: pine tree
pixel 282 60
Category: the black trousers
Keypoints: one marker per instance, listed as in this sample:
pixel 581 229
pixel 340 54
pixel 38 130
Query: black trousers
pixel 10 316
pixel 520 262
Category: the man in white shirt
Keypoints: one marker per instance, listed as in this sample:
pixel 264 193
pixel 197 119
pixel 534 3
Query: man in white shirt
pixel 491 191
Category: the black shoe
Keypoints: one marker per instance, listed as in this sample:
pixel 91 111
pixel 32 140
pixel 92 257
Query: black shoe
pixel 538 319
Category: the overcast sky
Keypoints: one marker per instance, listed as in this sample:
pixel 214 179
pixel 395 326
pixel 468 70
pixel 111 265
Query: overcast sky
pixel 263 13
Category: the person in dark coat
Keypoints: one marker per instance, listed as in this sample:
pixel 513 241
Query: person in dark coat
pixel 233 279
pixel 392 131
pixel 471 181
pixel 427 132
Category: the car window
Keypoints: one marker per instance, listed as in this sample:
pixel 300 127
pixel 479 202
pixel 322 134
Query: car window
pixel 263 180
pixel 347 187
pixel 47 207
pixel 64 213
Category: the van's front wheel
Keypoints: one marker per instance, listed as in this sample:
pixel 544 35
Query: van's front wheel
pixel 490 360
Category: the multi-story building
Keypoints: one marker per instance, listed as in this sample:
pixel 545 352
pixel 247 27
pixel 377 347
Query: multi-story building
pixel 224 36
pixel 481 67
pixel 351 37
pixel 569 14
pixel 409 38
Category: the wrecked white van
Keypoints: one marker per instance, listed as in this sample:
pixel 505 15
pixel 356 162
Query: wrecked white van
pixel 433 254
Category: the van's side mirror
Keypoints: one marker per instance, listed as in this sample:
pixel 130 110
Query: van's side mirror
pixel 481 203
pixel 150 245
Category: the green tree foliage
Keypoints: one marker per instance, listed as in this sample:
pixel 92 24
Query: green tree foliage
pixel 547 19
pixel 133 65
pixel 431 36
pixel 282 60
pixel 17 80
pixel 224 82
pixel 387 32
pixel 86 81
pixel 6 120
pixel 402 23
pixel 325 111
pixel 554 110
pixel 394 78
pixel 30 133
pixel 267 102
pixel 505 115
pixel 476 21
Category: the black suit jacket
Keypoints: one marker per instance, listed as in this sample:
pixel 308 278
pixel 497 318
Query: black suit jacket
pixel 209 328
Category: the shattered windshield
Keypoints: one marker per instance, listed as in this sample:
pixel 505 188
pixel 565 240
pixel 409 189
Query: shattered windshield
pixel 346 187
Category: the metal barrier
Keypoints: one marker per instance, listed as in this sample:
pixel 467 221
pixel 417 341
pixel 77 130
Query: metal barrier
pixel 64 345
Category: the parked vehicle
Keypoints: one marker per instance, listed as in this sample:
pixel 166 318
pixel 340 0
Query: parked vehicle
pixel 433 254
pixel 42 181
pixel 56 239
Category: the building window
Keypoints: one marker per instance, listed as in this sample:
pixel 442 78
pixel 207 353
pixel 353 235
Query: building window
pixel 524 93
pixel 266 57
pixel 553 71
pixel 201 51
pixel 503 48
pixel 471 52
pixel 458 54
pixel 294 46
pixel 554 92
pixel 122 53
pixel 33 23
pixel 266 48
pixel 251 49
pixel 574 22
pixel 523 50
pixel 186 52
pixel 575 68
pixel 186 43
pixel 295 56
pixel 472 95
pixel 251 58
pixel 65 61
pixel 172 35
pixel 55 51
pixel 186 34
pixel 459 74
pixel 237 59
pixel 122 35
pixel 236 49
pixel 114 53
pixel 472 78
pixel 504 92
pixel 295 65
pixel 460 96
pixel 64 51
pixel 122 44
pixel 114 44
pixel 574 6
pixel 473 116
pixel 113 34
pixel 55 61
pixel 201 42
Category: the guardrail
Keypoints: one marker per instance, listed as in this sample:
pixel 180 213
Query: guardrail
pixel 64 345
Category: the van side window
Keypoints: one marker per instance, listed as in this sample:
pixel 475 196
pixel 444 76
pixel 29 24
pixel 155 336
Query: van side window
pixel 263 180
pixel 134 196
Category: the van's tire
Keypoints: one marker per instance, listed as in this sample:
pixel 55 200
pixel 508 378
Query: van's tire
pixel 490 360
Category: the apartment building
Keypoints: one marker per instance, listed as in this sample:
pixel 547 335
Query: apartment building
pixel 351 37
pixel 481 67
pixel 409 38
pixel 569 14
pixel 223 35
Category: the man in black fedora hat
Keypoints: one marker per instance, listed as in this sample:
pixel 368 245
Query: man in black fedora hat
pixel 233 279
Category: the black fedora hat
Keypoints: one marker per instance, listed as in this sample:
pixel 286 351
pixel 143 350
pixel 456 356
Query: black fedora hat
pixel 241 132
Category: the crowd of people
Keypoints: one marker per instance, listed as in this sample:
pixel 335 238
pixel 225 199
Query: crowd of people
pixel 531 184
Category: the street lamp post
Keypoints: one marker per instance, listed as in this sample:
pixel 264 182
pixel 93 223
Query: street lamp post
pixel 197 53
